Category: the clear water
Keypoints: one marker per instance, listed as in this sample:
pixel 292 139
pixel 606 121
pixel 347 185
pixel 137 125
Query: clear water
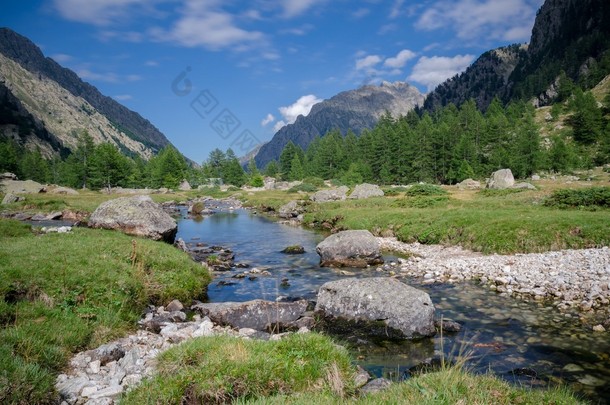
pixel 529 343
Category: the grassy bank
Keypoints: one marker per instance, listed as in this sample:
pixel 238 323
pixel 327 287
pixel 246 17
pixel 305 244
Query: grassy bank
pixel 62 293
pixel 308 369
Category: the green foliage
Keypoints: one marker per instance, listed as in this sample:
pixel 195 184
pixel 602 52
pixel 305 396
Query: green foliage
pixel 580 198
pixel 224 369
pixel 168 168
pixel 225 166
pixel 586 121
pixel 272 169
pixel 94 289
pixel 423 201
pixel 305 187
pixel 314 181
pixel 256 181
pixel 488 192
pixel 425 190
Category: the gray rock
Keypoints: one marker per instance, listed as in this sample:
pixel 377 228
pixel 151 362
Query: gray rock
pixel 447 325
pixel 524 185
pixel 290 210
pixel 70 388
pixel 63 191
pixel 184 186
pixel 376 385
pixel 257 314
pixel 54 215
pixel 535 177
pixel 336 194
pixel 107 353
pixel 350 248
pixel 22 187
pixel 366 190
pixel 175 305
pixel 469 184
pixel 361 377
pixel 381 303
pixel 8 176
pixel 11 198
pixel 501 179
pixel 138 216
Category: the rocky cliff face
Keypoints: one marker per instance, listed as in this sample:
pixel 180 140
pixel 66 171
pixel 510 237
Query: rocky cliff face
pixel 568 35
pixel 355 109
pixel 50 105
pixel 485 79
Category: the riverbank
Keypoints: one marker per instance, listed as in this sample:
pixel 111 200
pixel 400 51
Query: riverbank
pixel 567 279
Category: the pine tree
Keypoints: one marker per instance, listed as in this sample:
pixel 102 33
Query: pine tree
pixel 296 169
pixel 108 167
pixel 232 172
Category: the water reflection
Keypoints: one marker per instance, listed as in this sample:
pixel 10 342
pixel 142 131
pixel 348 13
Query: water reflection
pixel 525 342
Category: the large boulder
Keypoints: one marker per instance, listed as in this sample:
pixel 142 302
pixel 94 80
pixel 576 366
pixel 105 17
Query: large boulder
pixel 365 190
pixel 469 184
pixel 350 249
pixel 63 191
pixel 11 198
pixel 139 216
pixel 290 210
pixel 257 314
pixel 184 186
pixel 335 194
pixel 22 187
pixel 501 179
pixel 382 305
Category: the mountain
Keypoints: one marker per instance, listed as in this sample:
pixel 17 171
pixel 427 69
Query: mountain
pixel 47 106
pixel 354 110
pixel 485 79
pixel 572 36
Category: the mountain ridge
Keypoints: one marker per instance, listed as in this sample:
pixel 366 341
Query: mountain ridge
pixel 354 110
pixel 127 129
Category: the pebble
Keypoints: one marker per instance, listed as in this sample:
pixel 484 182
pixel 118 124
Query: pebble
pixel 567 278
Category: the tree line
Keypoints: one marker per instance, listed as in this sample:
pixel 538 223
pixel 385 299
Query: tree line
pixel 452 144
pixel 444 147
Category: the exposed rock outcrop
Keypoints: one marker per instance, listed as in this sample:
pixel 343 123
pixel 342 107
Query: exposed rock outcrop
pixel 501 179
pixel 335 194
pixel 366 190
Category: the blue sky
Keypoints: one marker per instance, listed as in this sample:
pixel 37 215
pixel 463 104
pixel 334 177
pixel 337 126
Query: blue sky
pixel 219 74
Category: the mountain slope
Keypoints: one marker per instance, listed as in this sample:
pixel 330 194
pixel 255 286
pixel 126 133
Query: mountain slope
pixel 485 79
pixel 59 101
pixel 568 35
pixel 355 109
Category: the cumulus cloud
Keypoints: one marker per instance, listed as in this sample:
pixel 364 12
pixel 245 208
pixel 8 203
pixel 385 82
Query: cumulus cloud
pixel 509 20
pixel 267 120
pixel 98 12
pixel 206 25
pixel 300 107
pixel 367 62
pixel 400 59
pixel 294 8
pixel 123 97
pixel 61 58
pixel 431 71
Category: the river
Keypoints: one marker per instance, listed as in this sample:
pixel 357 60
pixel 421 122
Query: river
pixel 523 342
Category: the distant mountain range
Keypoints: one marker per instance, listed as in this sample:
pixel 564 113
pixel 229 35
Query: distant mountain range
pixel 568 35
pixel 353 110
pixel 45 105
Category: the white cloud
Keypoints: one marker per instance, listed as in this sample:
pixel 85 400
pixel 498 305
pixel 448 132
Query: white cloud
pixel 87 74
pixel 294 8
pixel 151 63
pixel 431 71
pixel 123 97
pixel 367 62
pixel 361 12
pixel 61 58
pixel 300 107
pixel 98 12
pixel 396 9
pixel 206 25
pixel 267 120
pixel 400 59
pixel 509 20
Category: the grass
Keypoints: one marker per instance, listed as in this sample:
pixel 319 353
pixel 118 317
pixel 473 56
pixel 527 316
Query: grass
pixel 487 222
pixel 62 293
pixel 223 369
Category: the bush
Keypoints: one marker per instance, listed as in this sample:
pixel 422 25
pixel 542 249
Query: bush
pixel 257 181
pixel 425 190
pixel 314 181
pixel 584 198
pixel 305 187
pixel 422 201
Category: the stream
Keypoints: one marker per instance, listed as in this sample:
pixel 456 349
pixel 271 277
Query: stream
pixel 523 342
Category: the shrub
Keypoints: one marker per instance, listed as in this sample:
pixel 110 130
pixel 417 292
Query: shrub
pixel 305 187
pixel 422 201
pixel 585 198
pixel 257 181
pixel 314 181
pixel 425 190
